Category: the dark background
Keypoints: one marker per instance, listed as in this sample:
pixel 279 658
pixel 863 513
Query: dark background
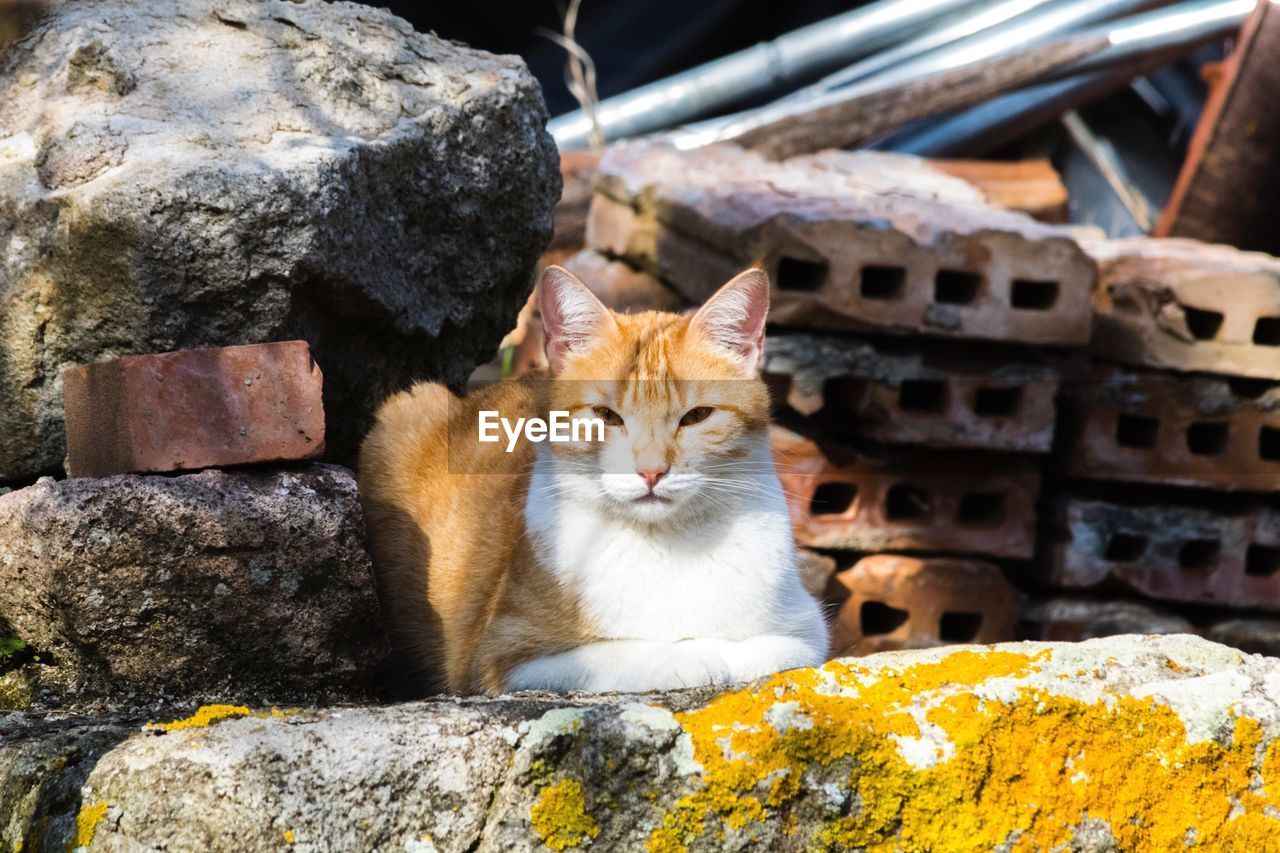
pixel 631 41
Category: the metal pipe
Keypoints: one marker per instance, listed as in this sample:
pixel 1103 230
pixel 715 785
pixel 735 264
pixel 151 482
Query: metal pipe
pixel 1138 42
pixel 755 71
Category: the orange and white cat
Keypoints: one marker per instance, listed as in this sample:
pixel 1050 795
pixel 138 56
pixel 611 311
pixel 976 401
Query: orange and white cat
pixel 660 557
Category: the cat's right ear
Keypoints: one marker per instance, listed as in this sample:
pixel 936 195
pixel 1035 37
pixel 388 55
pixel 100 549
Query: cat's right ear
pixel 571 315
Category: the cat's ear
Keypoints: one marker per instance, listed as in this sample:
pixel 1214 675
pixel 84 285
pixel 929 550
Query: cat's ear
pixel 571 315
pixel 733 318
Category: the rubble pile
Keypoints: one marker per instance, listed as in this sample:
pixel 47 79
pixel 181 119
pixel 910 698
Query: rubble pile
pixel 987 426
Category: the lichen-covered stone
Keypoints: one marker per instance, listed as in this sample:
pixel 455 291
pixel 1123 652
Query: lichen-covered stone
pixel 253 585
pixel 183 173
pixel 1126 743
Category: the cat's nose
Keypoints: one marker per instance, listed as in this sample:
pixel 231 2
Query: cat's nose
pixel 651 476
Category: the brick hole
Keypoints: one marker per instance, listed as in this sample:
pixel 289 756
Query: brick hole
pixel 877 618
pixel 1198 553
pixel 905 503
pixel 802 276
pixel 1203 325
pixel 922 395
pixel 1137 431
pixel 1266 333
pixel 1028 295
pixel 997 402
pixel 1124 548
pixel 1261 561
pixel 832 498
pixel 882 282
pixel 959 627
pixel 1251 389
pixel 1207 438
pixel 956 287
pixel 1269 443
pixel 981 509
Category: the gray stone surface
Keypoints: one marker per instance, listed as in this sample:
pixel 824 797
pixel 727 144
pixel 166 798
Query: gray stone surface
pixel 145 590
pixel 184 173
pixel 1121 743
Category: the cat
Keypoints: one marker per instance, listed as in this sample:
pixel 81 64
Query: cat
pixel 658 558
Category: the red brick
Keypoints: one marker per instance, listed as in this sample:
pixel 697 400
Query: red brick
pixel 1160 428
pixel 908 501
pixel 1071 620
pixel 1259 635
pixel 850 388
pixel 889 602
pixel 1168 553
pixel 1187 306
pixel 194 409
pixel 852 240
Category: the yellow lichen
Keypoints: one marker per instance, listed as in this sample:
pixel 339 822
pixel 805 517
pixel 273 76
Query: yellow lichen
pixel 289 837
pixel 560 816
pixel 87 824
pixel 203 716
pixel 1027 768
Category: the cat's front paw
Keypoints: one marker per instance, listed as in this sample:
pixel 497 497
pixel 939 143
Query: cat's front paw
pixel 689 665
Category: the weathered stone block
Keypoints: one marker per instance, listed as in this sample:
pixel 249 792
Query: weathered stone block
pixel 1168 552
pixel 250 586
pixel 211 174
pixel 1126 743
pixel 1067 619
pixel 851 388
pixel 889 602
pixel 1187 306
pixel 851 240
pixel 194 409
pixel 908 501
pixel 1178 430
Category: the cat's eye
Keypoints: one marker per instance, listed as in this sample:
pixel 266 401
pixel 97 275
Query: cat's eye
pixel 696 415
pixel 609 416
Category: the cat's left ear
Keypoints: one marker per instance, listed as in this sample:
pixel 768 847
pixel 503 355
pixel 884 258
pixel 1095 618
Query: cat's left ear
pixel 733 318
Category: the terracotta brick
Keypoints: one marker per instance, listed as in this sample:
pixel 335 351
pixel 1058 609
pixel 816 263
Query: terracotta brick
pixel 852 240
pixel 908 501
pixel 621 286
pixel 1187 306
pixel 1179 430
pixel 1259 635
pixel 816 570
pixel 1032 187
pixel 1069 619
pixel 1168 553
pixel 888 602
pixel 194 409
pixel 850 388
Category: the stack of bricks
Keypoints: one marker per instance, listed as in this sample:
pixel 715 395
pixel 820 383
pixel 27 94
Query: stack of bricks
pixel 986 426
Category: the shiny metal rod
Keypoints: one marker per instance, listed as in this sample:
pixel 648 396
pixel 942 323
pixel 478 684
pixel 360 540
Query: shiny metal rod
pixel 874 106
pixel 757 70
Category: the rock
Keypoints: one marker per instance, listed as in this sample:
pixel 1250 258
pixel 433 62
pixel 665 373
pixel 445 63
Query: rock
pixel 1122 743
pixel 217 173
pixel 248 586
pixel 194 409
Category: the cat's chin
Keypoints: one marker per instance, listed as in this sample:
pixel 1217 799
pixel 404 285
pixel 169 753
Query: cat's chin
pixel 649 509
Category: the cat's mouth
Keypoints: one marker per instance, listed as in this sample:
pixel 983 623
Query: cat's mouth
pixel 651 498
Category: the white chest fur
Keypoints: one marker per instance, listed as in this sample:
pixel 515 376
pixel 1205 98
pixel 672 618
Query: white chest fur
pixel 732 577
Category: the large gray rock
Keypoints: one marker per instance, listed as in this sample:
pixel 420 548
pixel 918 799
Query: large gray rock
pixel 184 173
pixel 1148 743
pixel 250 586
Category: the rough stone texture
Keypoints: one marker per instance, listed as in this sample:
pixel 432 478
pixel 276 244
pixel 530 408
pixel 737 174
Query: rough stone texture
pixel 194 409
pixel 1177 430
pixel 1228 557
pixel 1127 743
pixel 908 500
pixel 851 240
pixel 889 602
pixel 1068 619
pixel 184 173
pixel 252 585
pixel 850 388
pixel 1187 306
